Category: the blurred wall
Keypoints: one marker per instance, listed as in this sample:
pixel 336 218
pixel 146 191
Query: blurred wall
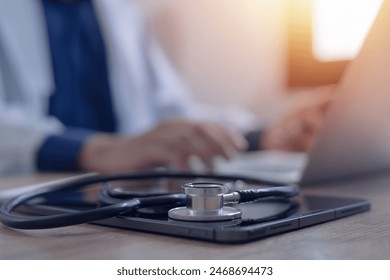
pixel 228 51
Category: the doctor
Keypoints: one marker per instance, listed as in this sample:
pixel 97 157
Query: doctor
pixel 84 87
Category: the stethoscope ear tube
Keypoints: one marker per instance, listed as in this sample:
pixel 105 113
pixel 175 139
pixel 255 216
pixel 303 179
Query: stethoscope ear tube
pixel 282 191
pixel 72 217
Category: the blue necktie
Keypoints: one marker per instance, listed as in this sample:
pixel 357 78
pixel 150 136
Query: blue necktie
pixel 82 97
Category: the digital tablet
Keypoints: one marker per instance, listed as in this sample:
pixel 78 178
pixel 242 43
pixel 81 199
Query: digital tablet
pixel 260 219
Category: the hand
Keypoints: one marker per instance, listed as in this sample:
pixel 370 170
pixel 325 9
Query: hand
pixel 296 130
pixel 170 143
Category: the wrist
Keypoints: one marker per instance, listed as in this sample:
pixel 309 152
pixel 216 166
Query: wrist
pixel 61 152
pixel 95 151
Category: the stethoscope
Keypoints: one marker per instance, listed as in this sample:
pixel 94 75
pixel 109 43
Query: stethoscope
pixel 200 201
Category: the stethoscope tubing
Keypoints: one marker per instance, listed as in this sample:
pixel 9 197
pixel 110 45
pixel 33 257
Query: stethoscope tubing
pixel 120 208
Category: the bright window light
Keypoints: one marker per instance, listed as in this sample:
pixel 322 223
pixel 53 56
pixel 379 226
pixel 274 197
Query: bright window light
pixel 340 27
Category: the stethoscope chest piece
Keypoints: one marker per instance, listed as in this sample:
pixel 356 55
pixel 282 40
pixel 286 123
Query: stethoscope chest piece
pixel 205 202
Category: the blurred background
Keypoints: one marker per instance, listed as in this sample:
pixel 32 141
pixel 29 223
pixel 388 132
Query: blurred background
pixel 260 54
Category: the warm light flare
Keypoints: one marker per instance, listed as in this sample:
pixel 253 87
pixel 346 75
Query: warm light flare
pixel 340 27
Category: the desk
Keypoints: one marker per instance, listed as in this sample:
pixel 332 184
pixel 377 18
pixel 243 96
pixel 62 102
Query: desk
pixel 363 236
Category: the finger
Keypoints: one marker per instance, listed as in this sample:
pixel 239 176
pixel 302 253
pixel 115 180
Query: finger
pixel 183 142
pixel 194 146
pixel 203 141
pixel 217 140
pixel 172 158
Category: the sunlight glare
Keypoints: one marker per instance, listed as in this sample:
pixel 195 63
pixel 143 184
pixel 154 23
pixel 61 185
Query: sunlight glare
pixel 340 27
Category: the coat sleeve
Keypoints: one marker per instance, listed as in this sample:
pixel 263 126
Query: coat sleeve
pixel 21 134
pixel 21 137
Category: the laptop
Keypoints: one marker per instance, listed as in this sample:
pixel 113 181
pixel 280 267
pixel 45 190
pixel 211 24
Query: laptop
pixel 355 136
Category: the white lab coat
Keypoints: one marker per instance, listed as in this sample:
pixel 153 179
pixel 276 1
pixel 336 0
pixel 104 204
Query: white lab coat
pixel 144 87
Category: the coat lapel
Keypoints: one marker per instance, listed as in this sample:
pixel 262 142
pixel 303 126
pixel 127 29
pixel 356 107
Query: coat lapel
pixel 24 40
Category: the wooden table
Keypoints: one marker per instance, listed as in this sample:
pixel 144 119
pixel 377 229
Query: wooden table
pixel 363 236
